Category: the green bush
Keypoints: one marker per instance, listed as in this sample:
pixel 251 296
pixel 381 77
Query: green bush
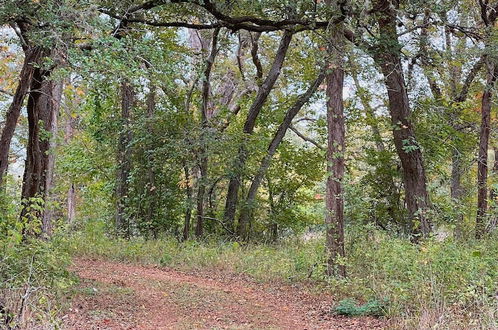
pixel 33 277
pixel 350 307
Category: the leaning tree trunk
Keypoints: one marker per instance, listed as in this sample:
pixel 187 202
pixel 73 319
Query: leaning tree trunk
pixel 387 56
pixel 246 213
pixel 482 160
pixel 32 58
pixel 124 160
pixel 239 165
pixel 43 108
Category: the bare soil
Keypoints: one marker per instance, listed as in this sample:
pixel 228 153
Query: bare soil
pixel 114 295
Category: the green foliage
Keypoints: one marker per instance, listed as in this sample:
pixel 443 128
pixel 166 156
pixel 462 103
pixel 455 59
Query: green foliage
pixel 350 307
pixel 33 279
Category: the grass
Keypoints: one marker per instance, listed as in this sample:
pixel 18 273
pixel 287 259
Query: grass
pixel 444 284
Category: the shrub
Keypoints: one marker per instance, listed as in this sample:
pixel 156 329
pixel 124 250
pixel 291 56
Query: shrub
pixel 33 276
pixel 350 307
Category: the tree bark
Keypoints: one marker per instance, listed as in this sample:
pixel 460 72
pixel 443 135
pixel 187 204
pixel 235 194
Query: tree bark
pixel 336 147
pixel 482 160
pixel 32 58
pixel 248 207
pixel 50 145
pixel 43 108
pixel 239 164
pixel 124 159
pixel 204 158
pixel 387 56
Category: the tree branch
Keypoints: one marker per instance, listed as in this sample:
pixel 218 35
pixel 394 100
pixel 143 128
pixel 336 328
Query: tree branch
pixel 469 79
pixel 305 138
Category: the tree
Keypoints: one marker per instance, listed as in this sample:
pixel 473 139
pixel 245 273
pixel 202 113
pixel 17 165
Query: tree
pixel 336 147
pixel 43 108
pixel 482 160
pixel 124 159
pixel 203 153
pixel 32 58
pixel 248 128
pixel 387 56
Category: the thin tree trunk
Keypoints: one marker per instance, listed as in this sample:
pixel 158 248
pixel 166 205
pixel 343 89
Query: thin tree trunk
pixel 387 56
pixel 71 193
pixel 482 164
pixel 493 195
pixel 151 177
pixel 204 158
pixel 239 164
pixel 50 145
pixel 456 190
pixel 32 58
pixel 188 210
pixel 248 207
pixel 336 147
pixel 124 159
pixel 71 204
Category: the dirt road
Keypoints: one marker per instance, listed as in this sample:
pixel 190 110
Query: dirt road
pixel 115 295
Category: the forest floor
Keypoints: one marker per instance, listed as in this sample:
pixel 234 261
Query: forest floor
pixel 114 295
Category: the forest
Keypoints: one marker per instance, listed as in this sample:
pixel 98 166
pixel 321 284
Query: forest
pixel 248 164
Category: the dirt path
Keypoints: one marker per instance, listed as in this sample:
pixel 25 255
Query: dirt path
pixel 114 295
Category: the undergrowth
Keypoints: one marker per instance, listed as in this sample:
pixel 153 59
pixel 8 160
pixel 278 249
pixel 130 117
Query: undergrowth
pixel 33 279
pixel 444 284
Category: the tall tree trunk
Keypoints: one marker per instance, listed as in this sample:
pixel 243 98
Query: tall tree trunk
pixel 387 56
pixel 32 58
pixel 43 108
pixel 334 201
pixel 482 160
pixel 124 159
pixel 188 210
pixel 151 177
pixel 71 192
pixel 51 126
pixel 204 158
pixel 239 164
pixel 455 71
pixel 246 213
